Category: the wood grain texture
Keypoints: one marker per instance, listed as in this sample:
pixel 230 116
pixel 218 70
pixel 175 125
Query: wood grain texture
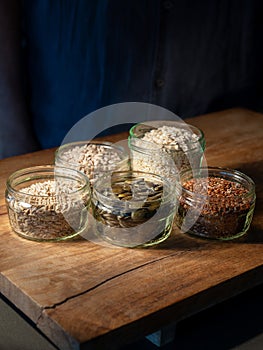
pixel 81 294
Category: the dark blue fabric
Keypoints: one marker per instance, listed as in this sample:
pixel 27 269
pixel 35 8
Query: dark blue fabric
pixel 189 56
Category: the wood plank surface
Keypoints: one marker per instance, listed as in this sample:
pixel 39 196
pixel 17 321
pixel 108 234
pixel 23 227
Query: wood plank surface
pixel 82 295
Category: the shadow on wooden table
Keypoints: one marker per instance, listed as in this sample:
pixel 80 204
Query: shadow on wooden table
pixel 254 235
pixel 255 171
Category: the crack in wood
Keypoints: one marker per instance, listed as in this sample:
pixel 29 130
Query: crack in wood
pixel 50 307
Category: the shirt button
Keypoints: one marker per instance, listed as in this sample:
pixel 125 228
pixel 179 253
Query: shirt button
pixel 168 4
pixel 159 83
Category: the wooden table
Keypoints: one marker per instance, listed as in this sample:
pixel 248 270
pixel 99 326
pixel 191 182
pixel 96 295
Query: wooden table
pixel 81 294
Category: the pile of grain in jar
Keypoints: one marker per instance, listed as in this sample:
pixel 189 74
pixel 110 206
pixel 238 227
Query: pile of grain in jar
pixel 223 208
pixel 171 137
pixel 150 194
pixel 48 210
pixel 92 158
pixel 146 157
pixel 179 143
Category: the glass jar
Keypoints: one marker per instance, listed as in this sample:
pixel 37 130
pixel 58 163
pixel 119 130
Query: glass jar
pixel 93 158
pixel 215 203
pixel 166 147
pixel 133 209
pixel 48 203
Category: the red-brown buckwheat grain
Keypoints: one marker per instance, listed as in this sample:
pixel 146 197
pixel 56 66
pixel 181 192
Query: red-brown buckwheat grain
pixel 225 205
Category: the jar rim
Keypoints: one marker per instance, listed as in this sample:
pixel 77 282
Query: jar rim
pixel 61 149
pixel 220 170
pixel 161 179
pixel 85 183
pixel 199 132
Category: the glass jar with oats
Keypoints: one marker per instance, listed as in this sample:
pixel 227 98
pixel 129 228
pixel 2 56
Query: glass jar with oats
pixel 48 203
pixel 215 203
pixel 166 147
